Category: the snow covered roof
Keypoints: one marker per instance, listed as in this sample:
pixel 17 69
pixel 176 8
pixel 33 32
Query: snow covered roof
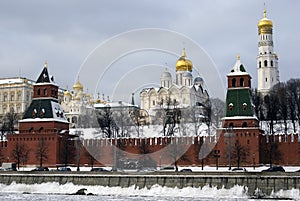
pixel 117 104
pixel 15 80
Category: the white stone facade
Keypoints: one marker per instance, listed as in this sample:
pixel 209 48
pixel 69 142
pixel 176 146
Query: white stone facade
pixel 16 94
pixel 267 59
pixel 182 92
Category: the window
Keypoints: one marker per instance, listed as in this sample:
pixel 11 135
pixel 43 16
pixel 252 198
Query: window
pixel 244 125
pixel 12 96
pixel 231 125
pixel 45 91
pixel 153 102
pixel 242 82
pixel 272 63
pixel 19 96
pixel 233 82
pixel 39 91
pixel 266 79
pixel 5 97
pixel 259 64
pixel 230 106
pixel 265 63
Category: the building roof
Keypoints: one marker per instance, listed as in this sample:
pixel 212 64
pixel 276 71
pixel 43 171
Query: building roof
pixel 238 103
pixel 44 109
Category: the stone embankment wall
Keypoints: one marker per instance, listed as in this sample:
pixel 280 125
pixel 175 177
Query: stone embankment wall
pixel 265 182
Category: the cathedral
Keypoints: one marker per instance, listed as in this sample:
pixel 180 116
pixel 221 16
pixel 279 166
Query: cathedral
pixel 183 92
pixel 78 107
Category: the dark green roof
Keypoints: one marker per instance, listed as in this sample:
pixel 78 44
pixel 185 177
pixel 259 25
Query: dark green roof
pixel 39 108
pixel 238 98
pixel 44 77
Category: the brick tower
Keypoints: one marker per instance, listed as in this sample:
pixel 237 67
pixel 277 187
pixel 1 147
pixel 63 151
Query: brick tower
pixel 42 127
pixel 239 136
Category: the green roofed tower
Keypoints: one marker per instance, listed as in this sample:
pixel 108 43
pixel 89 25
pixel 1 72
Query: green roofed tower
pixel 239 110
pixel 44 115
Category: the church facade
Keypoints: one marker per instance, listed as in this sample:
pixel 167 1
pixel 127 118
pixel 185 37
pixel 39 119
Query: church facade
pixel 183 92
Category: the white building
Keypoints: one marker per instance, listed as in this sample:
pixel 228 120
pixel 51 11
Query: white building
pixel 78 107
pixel 182 92
pixel 15 93
pixel 267 59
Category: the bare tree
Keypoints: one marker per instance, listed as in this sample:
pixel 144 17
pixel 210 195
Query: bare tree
pixel 12 119
pixel 280 90
pixel 240 153
pixel 67 151
pixel 3 130
pixel 272 106
pixel 20 152
pixel 139 117
pixel 258 104
pixel 41 151
pixel 106 122
pixel 270 153
pixel 217 110
pixel 293 93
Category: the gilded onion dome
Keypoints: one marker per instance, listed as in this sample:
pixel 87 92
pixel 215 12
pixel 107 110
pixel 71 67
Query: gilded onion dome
pixel 67 93
pixel 184 64
pixel 78 85
pixel 265 25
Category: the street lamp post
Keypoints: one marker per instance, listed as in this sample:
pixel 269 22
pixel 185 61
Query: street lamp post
pixel 78 147
pixel 217 156
pixel 253 160
pixel 229 134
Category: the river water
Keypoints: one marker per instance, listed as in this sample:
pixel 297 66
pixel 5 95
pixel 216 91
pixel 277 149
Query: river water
pixel 54 191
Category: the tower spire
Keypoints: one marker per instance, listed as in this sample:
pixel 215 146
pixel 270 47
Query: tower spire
pixel 46 64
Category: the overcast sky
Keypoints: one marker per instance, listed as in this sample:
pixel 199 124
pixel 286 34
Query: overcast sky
pixel 66 34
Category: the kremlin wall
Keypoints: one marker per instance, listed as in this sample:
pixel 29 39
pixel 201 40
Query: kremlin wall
pixel 44 138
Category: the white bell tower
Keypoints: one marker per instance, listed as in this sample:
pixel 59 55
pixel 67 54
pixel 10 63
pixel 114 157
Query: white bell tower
pixel 267 59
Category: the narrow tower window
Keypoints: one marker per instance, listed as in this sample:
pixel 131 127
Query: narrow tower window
pixel 233 82
pixel 265 63
pixel 259 64
pixel 272 63
pixel 242 82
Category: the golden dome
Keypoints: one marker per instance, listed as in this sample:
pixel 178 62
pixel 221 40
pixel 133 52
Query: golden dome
pixel 66 93
pixel 265 25
pixel 78 85
pixel 184 64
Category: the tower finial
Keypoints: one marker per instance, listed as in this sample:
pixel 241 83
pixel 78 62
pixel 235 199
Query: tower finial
pixel 265 11
pixel 132 99
pixel 46 64
pixel 238 56
pixel 183 53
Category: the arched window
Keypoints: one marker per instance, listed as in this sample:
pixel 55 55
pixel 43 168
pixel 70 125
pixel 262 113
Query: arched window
pixel 242 82
pixel 233 82
pixel 259 64
pixel 244 125
pixel 45 91
pixel 231 125
pixel 265 63
pixel 39 91
pixel 272 63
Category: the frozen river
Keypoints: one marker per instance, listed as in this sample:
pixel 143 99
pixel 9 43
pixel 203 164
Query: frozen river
pixel 54 191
